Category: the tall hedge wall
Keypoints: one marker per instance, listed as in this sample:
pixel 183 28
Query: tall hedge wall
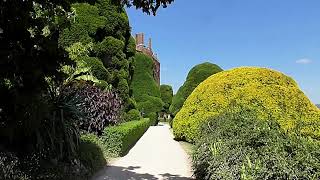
pixel 144 87
pixel 195 76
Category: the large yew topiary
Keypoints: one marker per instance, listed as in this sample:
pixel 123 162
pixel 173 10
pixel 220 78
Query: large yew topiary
pixel 267 93
pixel 102 26
pixel 144 88
pixel 196 75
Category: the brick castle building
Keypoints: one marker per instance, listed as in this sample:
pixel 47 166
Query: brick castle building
pixel 147 50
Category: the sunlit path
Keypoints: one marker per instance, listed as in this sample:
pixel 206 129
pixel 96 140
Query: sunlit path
pixel 155 156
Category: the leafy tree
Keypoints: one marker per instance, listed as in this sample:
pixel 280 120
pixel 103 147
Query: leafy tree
pixel 147 6
pixel 29 56
pixel 34 127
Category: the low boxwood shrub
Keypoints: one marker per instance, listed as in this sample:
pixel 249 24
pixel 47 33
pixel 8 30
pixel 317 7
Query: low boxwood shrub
pixel 119 139
pixel 92 152
pixel 240 146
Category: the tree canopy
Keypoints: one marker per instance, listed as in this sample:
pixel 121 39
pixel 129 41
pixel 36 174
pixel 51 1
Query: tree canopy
pixel 147 6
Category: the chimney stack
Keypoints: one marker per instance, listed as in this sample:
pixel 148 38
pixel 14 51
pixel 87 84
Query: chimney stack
pixel 150 44
pixel 139 39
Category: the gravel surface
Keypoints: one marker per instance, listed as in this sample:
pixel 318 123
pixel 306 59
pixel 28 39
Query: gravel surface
pixel 155 156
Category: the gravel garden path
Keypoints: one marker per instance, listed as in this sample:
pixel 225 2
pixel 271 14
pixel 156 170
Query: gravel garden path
pixel 155 156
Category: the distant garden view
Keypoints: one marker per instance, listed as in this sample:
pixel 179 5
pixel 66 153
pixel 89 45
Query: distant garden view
pixel 75 94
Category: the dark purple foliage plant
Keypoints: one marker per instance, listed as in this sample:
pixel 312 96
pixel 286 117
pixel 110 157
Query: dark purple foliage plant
pixel 97 108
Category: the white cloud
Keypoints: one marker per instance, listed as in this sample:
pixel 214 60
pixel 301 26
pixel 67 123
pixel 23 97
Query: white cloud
pixel 304 61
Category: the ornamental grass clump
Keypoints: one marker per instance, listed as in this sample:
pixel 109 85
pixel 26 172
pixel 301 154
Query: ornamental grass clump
pixel 270 94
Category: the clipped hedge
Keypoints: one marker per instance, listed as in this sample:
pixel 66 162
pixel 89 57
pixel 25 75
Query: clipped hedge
pixel 237 146
pixel 270 94
pixel 196 75
pixel 144 87
pixel 119 139
pixel 92 152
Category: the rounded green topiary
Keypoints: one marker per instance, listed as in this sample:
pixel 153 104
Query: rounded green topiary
pixel 269 94
pixel 132 115
pixel 196 75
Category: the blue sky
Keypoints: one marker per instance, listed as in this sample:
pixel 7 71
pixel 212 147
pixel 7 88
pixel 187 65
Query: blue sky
pixel 280 34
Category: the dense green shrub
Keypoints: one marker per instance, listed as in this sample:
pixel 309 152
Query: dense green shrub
pixel 269 93
pixel 9 167
pixel 96 67
pixel 92 152
pixel 166 96
pixel 150 104
pixel 119 139
pixel 144 87
pixel 105 26
pixel 236 145
pixel 31 119
pixel 196 75
pixel 153 118
pixel 132 115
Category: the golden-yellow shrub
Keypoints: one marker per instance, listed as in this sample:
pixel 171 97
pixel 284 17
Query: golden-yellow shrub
pixel 270 94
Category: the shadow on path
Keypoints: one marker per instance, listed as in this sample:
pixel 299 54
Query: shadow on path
pixel 127 173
